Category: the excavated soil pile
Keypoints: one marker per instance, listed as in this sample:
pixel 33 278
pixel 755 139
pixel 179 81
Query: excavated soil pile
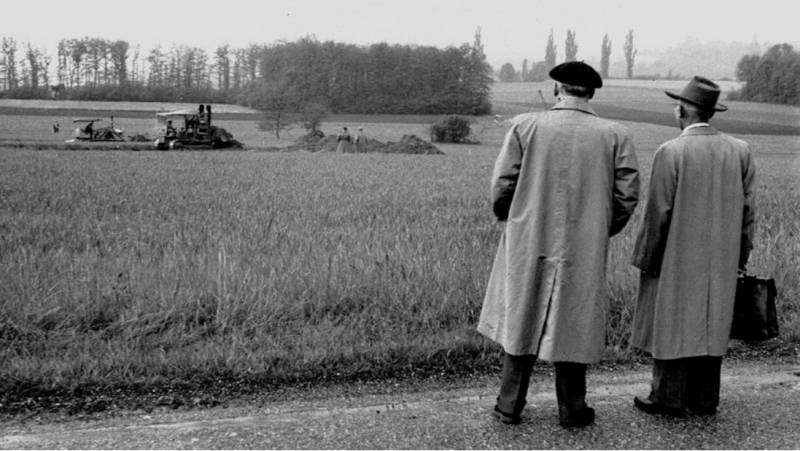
pixel 409 144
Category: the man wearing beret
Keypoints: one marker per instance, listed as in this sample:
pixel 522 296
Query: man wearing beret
pixel 696 232
pixel 565 182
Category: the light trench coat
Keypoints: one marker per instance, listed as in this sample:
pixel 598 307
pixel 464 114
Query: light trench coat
pixel 573 181
pixel 697 228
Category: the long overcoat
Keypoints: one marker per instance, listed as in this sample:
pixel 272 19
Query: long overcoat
pixel 697 228
pixel 344 143
pixel 572 181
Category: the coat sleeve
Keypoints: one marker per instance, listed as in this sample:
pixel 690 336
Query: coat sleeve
pixel 748 213
pixel 505 174
pixel 626 183
pixel 652 239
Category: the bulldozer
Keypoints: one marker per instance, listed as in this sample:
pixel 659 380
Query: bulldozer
pixel 189 129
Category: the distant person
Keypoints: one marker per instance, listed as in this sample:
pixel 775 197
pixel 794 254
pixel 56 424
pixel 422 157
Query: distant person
pixel 56 127
pixel 343 141
pixel 361 141
pixel 193 123
pixel 170 132
pixel 89 130
pixel 696 232
pixel 564 183
pixel 201 115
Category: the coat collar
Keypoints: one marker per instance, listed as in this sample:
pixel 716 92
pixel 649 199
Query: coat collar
pixel 574 103
pixel 704 130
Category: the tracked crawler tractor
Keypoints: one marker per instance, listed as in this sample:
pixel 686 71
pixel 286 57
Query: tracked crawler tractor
pixel 187 129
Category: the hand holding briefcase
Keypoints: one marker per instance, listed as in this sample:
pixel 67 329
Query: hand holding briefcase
pixel 754 314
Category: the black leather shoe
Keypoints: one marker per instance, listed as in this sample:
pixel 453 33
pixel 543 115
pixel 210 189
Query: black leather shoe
pixel 577 419
pixel 506 418
pixel 703 411
pixel 648 406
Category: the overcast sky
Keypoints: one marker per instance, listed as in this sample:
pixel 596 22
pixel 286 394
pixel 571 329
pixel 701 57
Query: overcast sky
pixel 511 29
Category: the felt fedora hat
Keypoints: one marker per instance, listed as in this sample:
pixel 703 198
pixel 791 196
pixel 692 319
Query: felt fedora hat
pixel 700 92
pixel 576 73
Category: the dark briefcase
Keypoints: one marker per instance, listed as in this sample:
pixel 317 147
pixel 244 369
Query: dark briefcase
pixel 754 314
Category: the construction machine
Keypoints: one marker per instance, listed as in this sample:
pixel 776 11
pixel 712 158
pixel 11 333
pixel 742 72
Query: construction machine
pixel 189 129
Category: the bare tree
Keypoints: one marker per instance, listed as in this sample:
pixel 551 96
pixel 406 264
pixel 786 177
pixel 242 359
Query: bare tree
pixel 156 60
pixel 33 64
pixel 9 48
pixel 119 58
pixel 223 67
pixel 77 52
pixel 62 70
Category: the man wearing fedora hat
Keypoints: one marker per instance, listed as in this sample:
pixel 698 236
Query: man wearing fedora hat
pixel 564 182
pixel 696 232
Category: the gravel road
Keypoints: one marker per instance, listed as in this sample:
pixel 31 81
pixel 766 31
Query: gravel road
pixel 760 408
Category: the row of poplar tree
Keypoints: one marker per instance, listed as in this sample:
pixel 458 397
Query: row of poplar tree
pixel 538 70
pixel 379 78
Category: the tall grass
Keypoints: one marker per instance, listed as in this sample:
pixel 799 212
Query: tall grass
pixel 138 266
pixel 127 268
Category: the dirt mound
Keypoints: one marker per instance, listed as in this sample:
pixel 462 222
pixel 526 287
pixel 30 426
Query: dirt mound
pixel 326 144
pixel 409 144
pixel 312 142
pixel 139 138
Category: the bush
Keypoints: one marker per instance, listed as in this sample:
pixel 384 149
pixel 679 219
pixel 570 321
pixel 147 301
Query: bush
pixel 451 129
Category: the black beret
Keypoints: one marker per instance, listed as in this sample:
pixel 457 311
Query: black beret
pixel 577 73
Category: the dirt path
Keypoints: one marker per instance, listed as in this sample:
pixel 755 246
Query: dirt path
pixel 760 408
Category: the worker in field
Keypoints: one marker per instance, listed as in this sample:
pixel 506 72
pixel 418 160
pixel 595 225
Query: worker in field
pixel 696 232
pixel 170 132
pixel 565 181
pixel 361 141
pixel 343 141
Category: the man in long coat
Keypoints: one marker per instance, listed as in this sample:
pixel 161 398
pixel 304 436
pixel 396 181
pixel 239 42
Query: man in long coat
pixel 343 141
pixel 696 232
pixel 565 181
pixel 361 141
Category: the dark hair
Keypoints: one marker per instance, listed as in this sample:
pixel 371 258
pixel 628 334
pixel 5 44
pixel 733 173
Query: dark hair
pixel 578 91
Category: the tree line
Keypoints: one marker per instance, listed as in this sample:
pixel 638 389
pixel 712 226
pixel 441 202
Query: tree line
pixel 538 70
pixel 773 77
pixel 379 78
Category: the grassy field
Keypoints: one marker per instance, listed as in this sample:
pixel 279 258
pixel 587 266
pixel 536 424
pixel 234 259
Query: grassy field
pixel 126 271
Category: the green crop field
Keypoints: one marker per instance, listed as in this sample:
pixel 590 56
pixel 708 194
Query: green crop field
pixel 123 271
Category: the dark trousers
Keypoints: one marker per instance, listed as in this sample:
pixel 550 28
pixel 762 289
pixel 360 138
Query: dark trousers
pixel 689 383
pixel 515 379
